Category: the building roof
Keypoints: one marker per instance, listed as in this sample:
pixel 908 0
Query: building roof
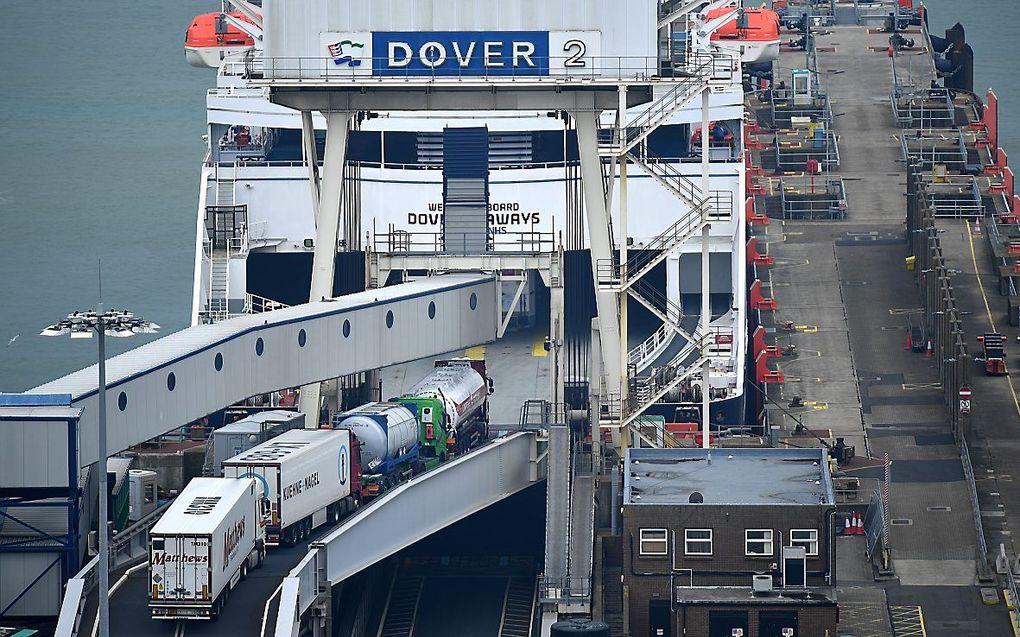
pixel 727 476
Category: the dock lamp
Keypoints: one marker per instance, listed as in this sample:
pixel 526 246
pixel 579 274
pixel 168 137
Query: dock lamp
pixel 119 324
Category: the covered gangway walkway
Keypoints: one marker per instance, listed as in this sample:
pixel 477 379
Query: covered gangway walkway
pixel 184 376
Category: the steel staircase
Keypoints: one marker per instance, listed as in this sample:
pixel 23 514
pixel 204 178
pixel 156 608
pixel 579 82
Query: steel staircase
pixel 207 459
pixel 659 436
pixel 694 77
pixel 219 284
pixel 653 300
pixel 518 607
pixel 626 142
pixel 402 609
pixel 648 390
pixel 677 11
pixel 641 356
pixel 226 179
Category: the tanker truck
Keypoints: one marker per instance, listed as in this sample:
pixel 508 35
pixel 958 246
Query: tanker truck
pixel 390 446
pixel 455 396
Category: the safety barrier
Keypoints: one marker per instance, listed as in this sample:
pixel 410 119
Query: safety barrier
pixel 945 329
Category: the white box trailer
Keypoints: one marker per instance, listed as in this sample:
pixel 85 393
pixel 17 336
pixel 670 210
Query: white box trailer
pixel 241 435
pixel 306 475
pixel 203 546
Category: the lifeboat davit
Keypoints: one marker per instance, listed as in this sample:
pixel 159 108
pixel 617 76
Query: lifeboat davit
pixel 210 38
pixel 755 37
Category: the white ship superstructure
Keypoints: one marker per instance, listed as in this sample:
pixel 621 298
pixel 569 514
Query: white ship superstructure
pixel 256 211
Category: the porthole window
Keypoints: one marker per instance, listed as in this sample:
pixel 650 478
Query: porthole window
pixel 260 346
pixel 389 318
pixel 432 309
pixel 473 301
pixel 122 401
pixel 218 362
pixel 171 381
pixel 302 338
pixel 347 328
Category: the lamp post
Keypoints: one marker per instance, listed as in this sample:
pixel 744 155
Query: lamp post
pixel 119 324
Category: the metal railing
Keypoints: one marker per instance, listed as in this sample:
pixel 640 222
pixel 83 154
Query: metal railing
pixel 968 471
pixel 395 241
pixel 795 157
pixel 932 147
pixel 821 197
pixel 564 590
pixel 255 304
pixel 650 348
pixel 129 545
pixel 544 69
pixel 956 196
pixel 700 70
pixel 1013 603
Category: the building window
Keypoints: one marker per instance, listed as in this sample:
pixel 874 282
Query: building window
pixel 808 538
pixel 758 542
pixel 653 542
pixel 697 541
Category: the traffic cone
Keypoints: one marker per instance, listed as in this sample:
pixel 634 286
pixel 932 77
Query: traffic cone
pixel 860 525
pixel 977 226
pixel 848 530
pixel 853 524
pixel 929 352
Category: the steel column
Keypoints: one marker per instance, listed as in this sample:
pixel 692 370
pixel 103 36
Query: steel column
pixel 598 221
pixel 104 542
pixel 327 226
pixel 706 306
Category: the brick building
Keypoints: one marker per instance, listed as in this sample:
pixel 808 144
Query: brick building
pixel 729 542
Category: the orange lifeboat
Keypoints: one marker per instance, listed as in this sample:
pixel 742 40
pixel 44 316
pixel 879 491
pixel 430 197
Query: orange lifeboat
pixel 210 38
pixel 755 37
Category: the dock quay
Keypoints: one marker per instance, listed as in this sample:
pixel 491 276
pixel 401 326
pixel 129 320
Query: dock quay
pixel 898 224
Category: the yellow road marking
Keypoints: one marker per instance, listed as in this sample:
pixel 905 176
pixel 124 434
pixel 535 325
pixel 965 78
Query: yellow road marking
pixel 538 348
pixel 984 297
pixel 475 353
pixel 907 621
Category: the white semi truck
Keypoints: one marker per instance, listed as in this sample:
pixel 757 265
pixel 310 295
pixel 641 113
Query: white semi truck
pixel 205 543
pixel 307 477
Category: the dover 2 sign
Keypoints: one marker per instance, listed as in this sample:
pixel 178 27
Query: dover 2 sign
pixel 462 53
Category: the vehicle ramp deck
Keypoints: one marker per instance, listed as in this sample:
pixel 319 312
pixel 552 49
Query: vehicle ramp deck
pixel 410 512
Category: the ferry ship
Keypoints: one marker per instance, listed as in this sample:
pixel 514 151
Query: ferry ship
pixel 256 224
